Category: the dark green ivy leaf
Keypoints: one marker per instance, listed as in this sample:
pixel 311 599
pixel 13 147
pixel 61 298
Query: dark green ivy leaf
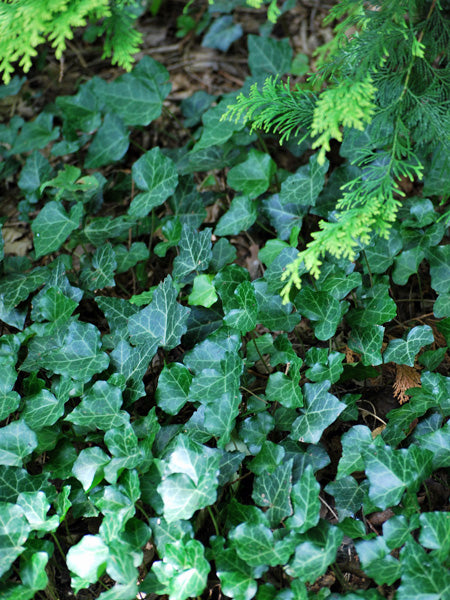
pixel 323 309
pixel 155 174
pixel 53 225
pixel 240 216
pixel 109 144
pixel 403 352
pixel 272 490
pixel 321 409
pixel 163 321
pixel 253 176
pixel 195 252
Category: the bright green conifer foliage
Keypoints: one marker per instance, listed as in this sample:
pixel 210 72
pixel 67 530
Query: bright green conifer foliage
pixel 25 24
pixel 387 97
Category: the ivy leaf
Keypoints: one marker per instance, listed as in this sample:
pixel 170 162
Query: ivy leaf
pixel 305 499
pixel 354 442
pixel 283 216
pixel 195 252
pixel 36 134
pixel 252 177
pixel 268 458
pixel 379 308
pixel 183 572
pixel 222 33
pixel 110 143
pixel 391 472
pixel 321 409
pixel 18 286
pixel 381 252
pixel 438 442
pixel 215 131
pixel 189 479
pixel 268 56
pixel 171 230
pixel 285 390
pixel 304 186
pixel 36 170
pixel 403 352
pixel 377 561
pixel 123 444
pixel 17 441
pixel 272 490
pixel 42 410
pixel 127 258
pixel 104 265
pixel 423 576
pixel 348 496
pixel 237 578
pixel 324 365
pixel 89 465
pixel 14 530
pixel 172 392
pixel 313 556
pixel 272 313
pixel 439 259
pixel 87 559
pixel 81 110
pixel 435 534
pixel 240 216
pixel 256 545
pixel 211 383
pixel 220 416
pixel 242 308
pixel 35 507
pixel 99 408
pixel 155 174
pixel 52 305
pixel 76 354
pixel 406 264
pixel 136 99
pixel 53 225
pixel 208 353
pixel 226 281
pixel 163 321
pixel 325 311
pixel 203 291
pixel 367 341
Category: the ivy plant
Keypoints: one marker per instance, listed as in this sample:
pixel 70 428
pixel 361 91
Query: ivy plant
pixel 168 424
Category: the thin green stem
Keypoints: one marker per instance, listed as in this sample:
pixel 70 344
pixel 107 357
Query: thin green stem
pixel 259 353
pixel 58 545
pixel 368 268
pixel 216 527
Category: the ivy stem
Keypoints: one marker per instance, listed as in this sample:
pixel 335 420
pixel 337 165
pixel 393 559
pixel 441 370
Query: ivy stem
pixel 368 268
pixel 338 574
pixel 216 527
pixel 58 545
pixel 259 354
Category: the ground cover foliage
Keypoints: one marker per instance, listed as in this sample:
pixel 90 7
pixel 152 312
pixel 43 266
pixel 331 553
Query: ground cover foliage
pixel 169 425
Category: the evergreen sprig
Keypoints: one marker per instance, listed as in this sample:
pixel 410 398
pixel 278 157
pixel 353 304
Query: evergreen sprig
pixel 25 24
pixel 389 80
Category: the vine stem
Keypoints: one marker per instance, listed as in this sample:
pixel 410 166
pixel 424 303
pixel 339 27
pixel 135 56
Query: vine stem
pixel 216 527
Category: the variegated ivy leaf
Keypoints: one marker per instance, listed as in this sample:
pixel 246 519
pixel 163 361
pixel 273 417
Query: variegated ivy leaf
pixel 403 352
pixel 322 309
pixel 195 252
pixel 155 174
pixel 321 409
pixel 163 321
pixel 53 225
pixel 189 479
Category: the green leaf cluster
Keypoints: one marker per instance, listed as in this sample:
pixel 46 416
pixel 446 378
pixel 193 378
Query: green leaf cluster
pixel 168 423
